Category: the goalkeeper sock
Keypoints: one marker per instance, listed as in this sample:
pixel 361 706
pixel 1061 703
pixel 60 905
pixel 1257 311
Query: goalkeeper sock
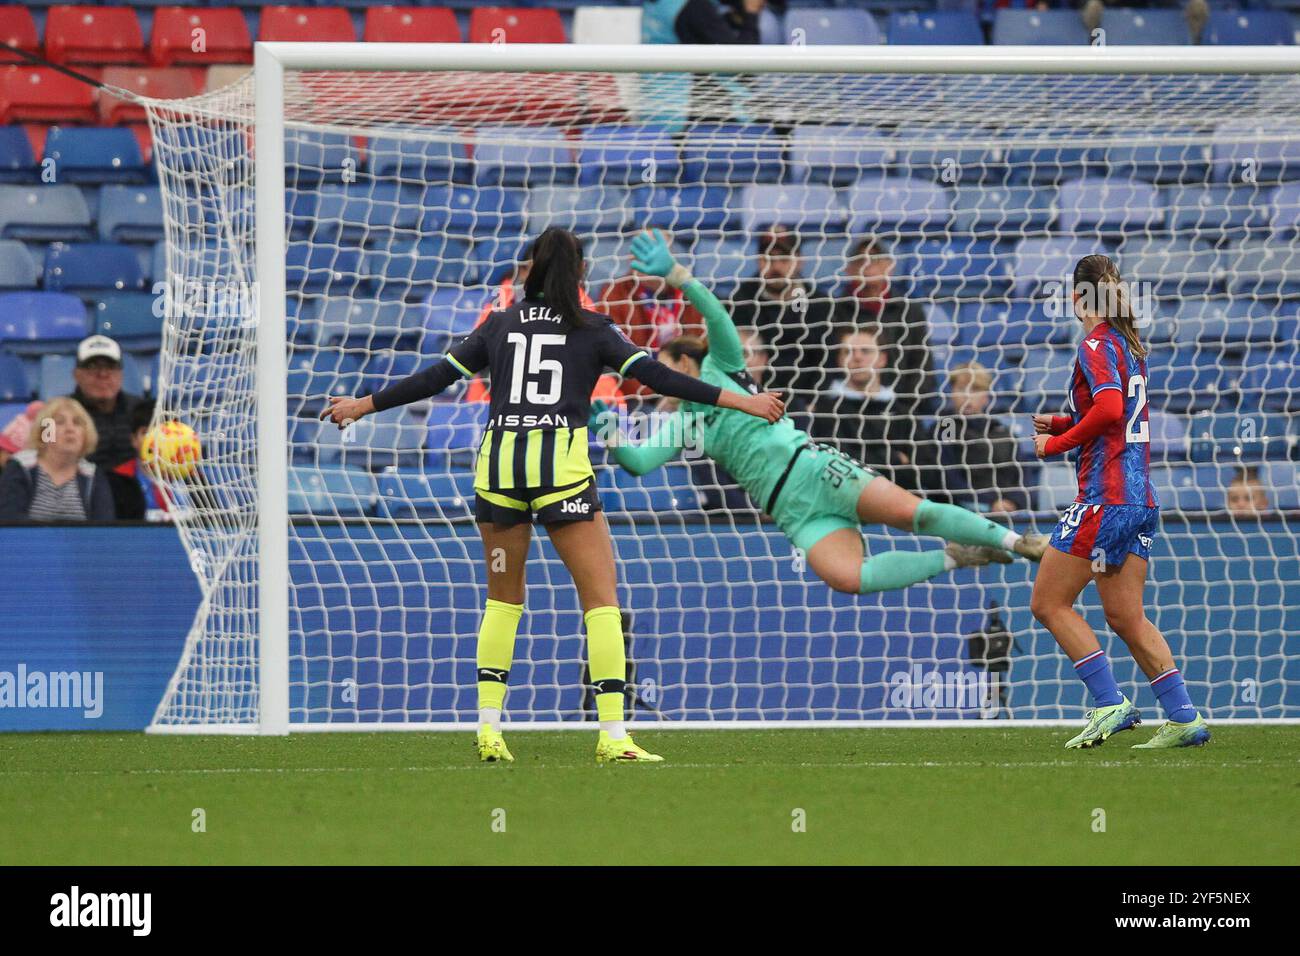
pixel 964 527
pixel 1172 694
pixel 898 569
pixel 608 665
pixel 1094 670
pixel 496 652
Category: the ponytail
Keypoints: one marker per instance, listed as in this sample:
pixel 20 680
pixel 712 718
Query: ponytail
pixel 1098 274
pixel 556 273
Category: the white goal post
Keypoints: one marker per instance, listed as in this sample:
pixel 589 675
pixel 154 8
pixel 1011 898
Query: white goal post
pixel 324 616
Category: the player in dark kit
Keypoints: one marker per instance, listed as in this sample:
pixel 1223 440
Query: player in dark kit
pixel 545 354
pixel 1106 535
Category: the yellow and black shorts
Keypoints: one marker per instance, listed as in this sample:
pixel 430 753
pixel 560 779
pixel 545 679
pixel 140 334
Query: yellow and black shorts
pixel 548 505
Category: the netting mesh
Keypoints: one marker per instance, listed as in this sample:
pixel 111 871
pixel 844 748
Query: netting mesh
pixel 896 249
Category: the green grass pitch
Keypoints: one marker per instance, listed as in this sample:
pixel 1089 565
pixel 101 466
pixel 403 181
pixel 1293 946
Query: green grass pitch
pixel 982 796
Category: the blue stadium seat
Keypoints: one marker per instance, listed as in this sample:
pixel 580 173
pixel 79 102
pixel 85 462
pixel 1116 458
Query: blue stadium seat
pixel 1187 488
pixel 1007 211
pixel 95 155
pixel 130 214
pixel 455 429
pixel 1282 478
pixel 1218 212
pixel 367 323
pixel 1273 377
pixel 407 268
pixel 1186 380
pixel 1160 162
pixel 45 213
pixel 129 318
pixel 523 156
pixel 960 266
pixel 1057 486
pixel 722 261
pixel 619 155
pixel 471 210
pixel 664 490
pixel 942 27
pixel 1255 150
pixel 384 367
pixel 608 258
pixel 494 258
pixel 732 154
pixel 1285 219
pixel 1095 205
pixel 314 156
pixel 14 385
pixel 314 267
pixel 890 205
pixel 89 267
pixel 1248 27
pixel 55 377
pixel 583 209
pixel 827 26
pixel 453 310
pixel 1168 435
pixel 1033 378
pixel 417 495
pixel 1265 270
pixel 191 146
pixel 366 210
pixel 1128 26
pixel 18 267
pixel 316 374
pixel 36 322
pixel 1227 322
pixel 1235 437
pixel 418 160
pixel 686 209
pixel 1172 267
pixel 1038 263
pixel 300 212
pixel 953 153
pixel 17 164
pixel 324 490
pixel 1057 158
pixel 801 208
pixel 1012 324
pixel 836 154
pixel 391 439
pixel 1039 28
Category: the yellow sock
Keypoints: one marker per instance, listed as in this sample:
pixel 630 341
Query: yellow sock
pixel 496 652
pixel 608 665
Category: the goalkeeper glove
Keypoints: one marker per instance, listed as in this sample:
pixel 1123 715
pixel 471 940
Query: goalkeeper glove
pixel 651 256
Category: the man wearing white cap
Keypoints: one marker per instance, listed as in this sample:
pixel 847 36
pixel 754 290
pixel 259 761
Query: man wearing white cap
pixel 99 390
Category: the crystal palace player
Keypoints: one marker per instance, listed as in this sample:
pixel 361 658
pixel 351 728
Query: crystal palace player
pixel 544 354
pixel 1106 535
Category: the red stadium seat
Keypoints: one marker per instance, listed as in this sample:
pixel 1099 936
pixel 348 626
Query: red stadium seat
pixel 160 82
pixel 42 95
pixel 96 35
pixel 225 36
pixel 515 25
pixel 17 28
pixel 316 24
pixel 411 25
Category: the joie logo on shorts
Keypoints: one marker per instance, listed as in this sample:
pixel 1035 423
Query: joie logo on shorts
pixel 575 507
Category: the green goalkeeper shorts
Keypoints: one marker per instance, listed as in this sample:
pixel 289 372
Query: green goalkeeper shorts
pixel 820 495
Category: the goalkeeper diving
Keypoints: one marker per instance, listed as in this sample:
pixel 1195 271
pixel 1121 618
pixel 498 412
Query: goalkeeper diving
pixel 818 496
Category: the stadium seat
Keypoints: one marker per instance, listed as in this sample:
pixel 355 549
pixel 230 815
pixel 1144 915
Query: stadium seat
pixel 130 214
pixel 18 267
pixel 962 267
pixel 1006 211
pixel 455 429
pixel 306 24
pixel 369 323
pixel 1284 219
pixel 1098 206
pixel 157 82
pixel 1248 27
pixel 608 258
pixel 515 25
pixel 522 155
pixel 1033 378
pixel 315 374
pixel 1160 162
pixel 54 376
pixel 929 27
pixel 417 495
pixel 1282 478
pixel 1048 164
pixel 36 322
pixel 407 267
pixel 836 154
pixel 1218 212
pixel 14 384
pixel 688 209
pixel 225 32
pixel 128 317
pixel 584 209
pixel 18 28
pixel 17 164
pixel 1234 322
pixel 1187 488
pixel 1175 266
pixel 365 210
pixel 310 267
pixel 493 258
pixel 384 366
pixel 394 441
pixel 1013 324
pixel 827 26
pixel 1187 380
pixel 883 205
pixel 411 25
pixel 466 211
pixel 664 490
pixel 40 94
pixel 1039 28
pixel 46 213
pixel 731 153
pixel 93 35
pixel 610 154
pixel 801 208
pixel 418 160
pixel 1168 435
pixel 722 261
pixel 1057 486
pixel 1244 151
pixel 95 155
pixel 1037 263
pixel 1234 438
pixel 324 490
pixel 1265 270
pixel 1273 377
pixel 620 25
pixel 316 156
pixel 88 267
pixel 1128 26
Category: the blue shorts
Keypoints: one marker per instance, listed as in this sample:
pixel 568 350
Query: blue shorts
pixel 1111 532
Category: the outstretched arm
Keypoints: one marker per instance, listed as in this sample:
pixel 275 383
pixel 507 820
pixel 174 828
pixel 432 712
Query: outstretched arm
pixel 660 447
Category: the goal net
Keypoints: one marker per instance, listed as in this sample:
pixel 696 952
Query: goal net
pixel 897 249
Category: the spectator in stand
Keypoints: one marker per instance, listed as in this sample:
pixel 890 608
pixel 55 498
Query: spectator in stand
pixel 99 390
pixel 785 309
pixel 13 433
pixel 137 494
pixel 53 477
pixel 975 461
pixel 700 21
pixel 856 415
pixel 1247 496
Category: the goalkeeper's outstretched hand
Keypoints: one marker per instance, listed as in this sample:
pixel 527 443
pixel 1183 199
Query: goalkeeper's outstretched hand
pixel 650 254
pixel 344 411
